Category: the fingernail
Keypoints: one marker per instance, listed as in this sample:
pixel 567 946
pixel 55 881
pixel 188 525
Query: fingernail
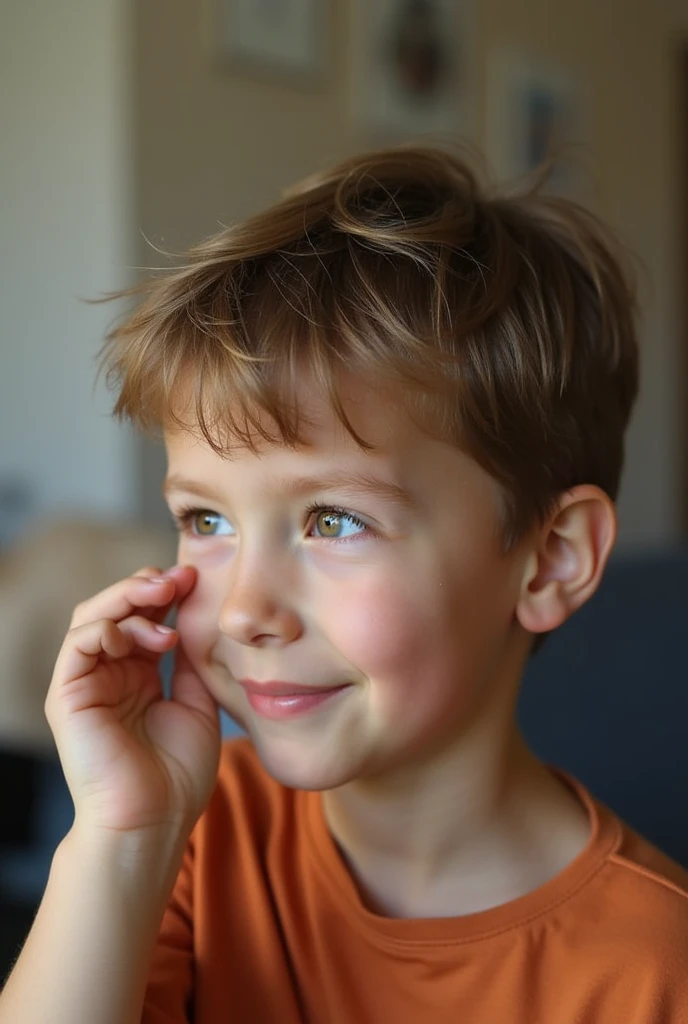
pixel 163 629
pixel 158 579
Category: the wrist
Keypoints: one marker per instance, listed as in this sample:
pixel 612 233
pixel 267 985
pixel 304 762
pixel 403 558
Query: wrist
pixel 150 856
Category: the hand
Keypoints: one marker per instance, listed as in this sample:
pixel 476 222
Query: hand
pixel 132 760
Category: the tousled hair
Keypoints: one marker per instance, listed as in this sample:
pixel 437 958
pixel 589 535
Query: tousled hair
pixel 508 323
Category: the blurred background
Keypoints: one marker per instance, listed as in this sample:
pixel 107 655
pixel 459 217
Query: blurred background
pixel 130 128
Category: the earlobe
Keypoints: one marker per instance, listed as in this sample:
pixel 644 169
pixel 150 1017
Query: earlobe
pixel 567 559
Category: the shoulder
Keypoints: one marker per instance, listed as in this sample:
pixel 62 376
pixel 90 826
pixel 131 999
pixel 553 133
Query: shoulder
pixel 622 902
pixel 617 938
pixel 638 934
pixel 653 889
pixel 635 906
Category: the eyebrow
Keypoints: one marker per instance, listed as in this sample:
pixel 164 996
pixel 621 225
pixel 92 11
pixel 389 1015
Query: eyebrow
pixel 175 482
pixel 298 486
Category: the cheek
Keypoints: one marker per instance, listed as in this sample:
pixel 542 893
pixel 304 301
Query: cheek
pixel 424 646
pixel 397 638
pixel 384 627
pixel 197 620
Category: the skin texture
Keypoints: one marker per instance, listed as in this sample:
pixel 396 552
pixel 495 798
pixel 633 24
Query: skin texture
pixel 414 605
pixel 414 609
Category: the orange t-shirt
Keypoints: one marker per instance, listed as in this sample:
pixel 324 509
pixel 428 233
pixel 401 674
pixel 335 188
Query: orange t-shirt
pixel 266 926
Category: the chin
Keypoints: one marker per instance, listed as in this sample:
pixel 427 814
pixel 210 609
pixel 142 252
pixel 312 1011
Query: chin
pixel 295 763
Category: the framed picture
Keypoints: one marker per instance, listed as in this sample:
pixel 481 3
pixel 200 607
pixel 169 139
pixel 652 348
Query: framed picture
pixel 287 37
pixel 412 67
pixel 532 118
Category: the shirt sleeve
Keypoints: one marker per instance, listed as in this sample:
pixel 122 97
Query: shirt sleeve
pixel 169 990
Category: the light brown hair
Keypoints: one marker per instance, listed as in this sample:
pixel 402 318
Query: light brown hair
pixel 509 322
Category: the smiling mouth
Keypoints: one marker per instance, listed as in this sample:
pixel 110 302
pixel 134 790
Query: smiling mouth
pixel 286 700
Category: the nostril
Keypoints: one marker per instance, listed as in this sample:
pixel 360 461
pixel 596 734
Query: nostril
pixel 259 623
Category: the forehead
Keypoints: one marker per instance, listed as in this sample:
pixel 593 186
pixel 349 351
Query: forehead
pixel 377 414
pixel 327 458
pixel 393 463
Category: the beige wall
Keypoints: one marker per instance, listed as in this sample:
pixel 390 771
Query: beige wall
pixel 624 53
pixel 66 232
pixel 213 145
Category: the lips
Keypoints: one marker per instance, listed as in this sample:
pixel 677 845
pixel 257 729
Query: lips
pixel 278 689
pixel 276 699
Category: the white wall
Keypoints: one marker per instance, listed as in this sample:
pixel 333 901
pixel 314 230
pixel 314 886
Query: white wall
pixel 65 233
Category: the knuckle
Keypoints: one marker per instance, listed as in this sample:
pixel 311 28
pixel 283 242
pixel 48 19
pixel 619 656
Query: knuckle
pixel 87 624
pixel 75 625
pixel 139 622
pixel 49 703
pixel 83 611
pixel 79 614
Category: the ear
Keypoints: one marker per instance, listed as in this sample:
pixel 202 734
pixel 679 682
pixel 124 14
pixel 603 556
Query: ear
pixel 567 559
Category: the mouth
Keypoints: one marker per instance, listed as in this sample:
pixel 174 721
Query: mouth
pixel 286 700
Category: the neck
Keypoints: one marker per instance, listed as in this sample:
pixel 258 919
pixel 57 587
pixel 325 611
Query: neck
pixel 477 824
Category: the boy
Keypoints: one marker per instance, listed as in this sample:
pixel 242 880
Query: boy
pixel 394 411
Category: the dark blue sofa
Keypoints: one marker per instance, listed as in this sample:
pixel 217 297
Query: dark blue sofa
pixel 606 697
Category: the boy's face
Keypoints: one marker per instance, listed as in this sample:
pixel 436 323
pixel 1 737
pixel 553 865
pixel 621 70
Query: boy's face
pixel 391 600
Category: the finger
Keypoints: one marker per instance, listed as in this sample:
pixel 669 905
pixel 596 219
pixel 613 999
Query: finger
pixel 85 645
pixel 148 637
pixel 184 578
pixel 137 593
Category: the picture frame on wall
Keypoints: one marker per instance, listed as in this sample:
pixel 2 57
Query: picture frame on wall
pixel 287 38
pixel 533 119
pixel 413 73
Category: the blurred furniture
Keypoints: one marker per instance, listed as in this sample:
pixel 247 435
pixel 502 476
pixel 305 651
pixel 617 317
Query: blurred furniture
pixel 606 698
pixel 43 576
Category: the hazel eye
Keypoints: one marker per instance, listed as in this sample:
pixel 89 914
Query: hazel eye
pixel 336 525
pixel 205 523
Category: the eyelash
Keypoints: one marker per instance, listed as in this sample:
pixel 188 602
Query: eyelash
pixel 317 507
pixel 183 517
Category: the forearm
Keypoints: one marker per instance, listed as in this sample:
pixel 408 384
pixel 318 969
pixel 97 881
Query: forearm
pixel 89 950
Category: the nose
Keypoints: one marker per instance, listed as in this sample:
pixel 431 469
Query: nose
pixel 256 610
